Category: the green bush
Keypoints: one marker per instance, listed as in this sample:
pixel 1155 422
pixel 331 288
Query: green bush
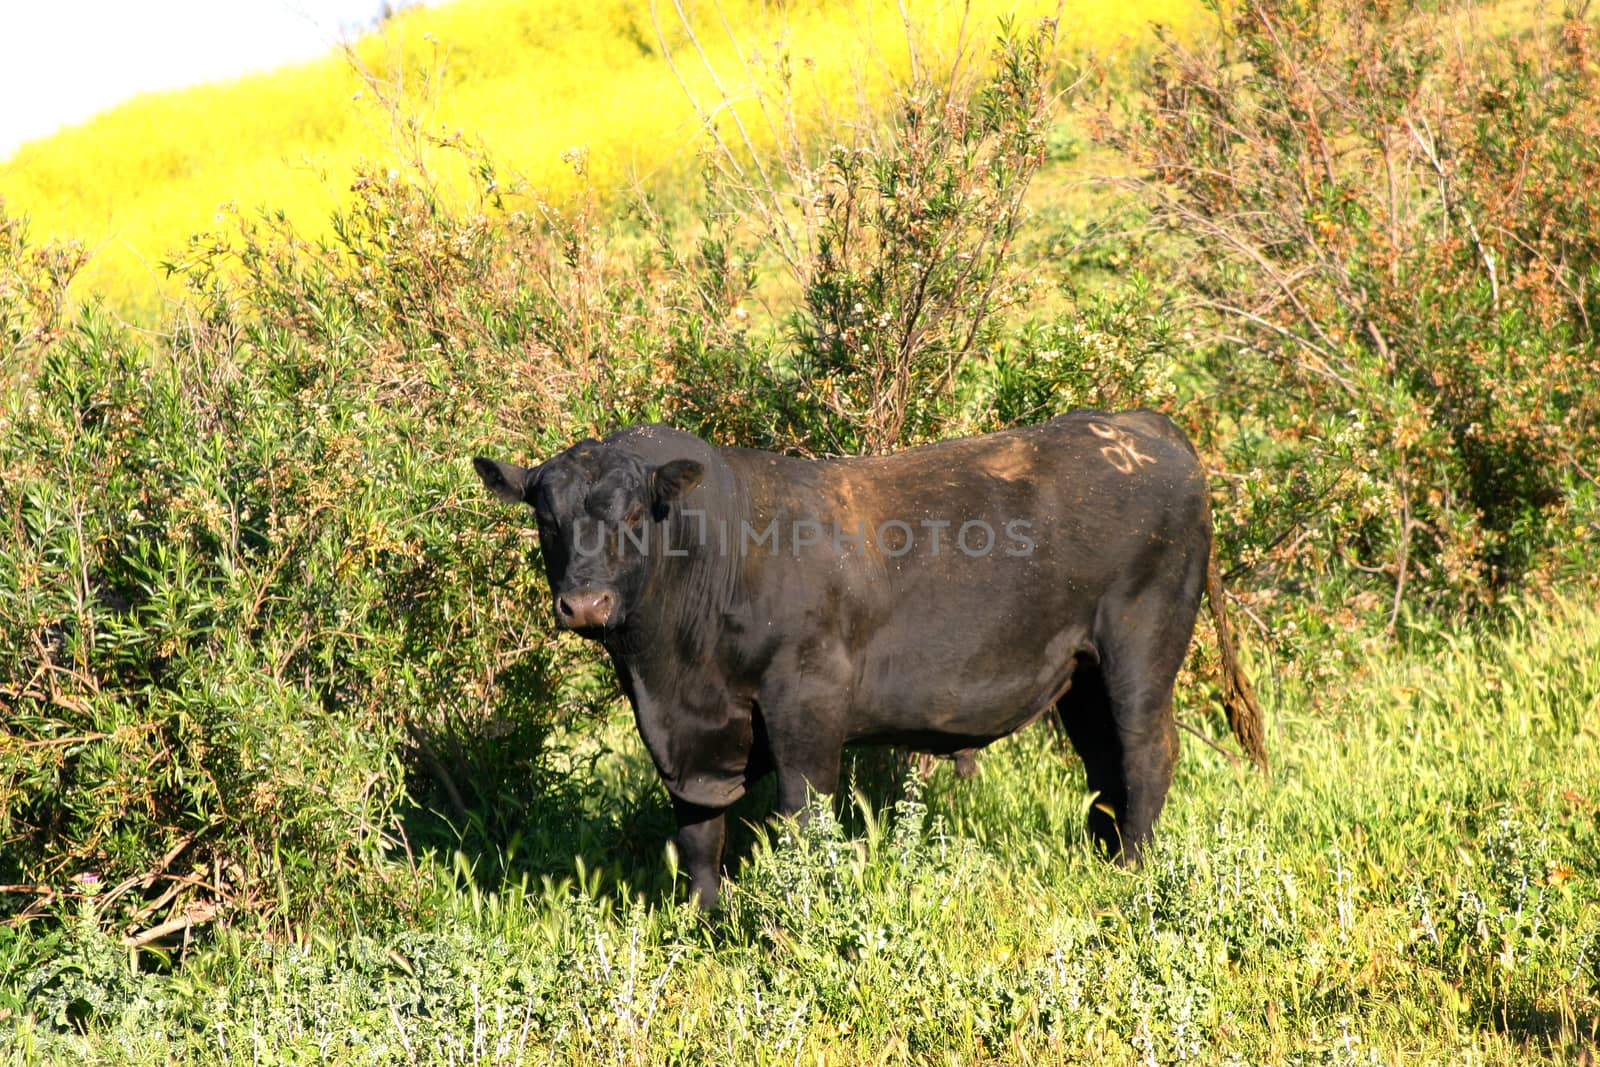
pixel 895 236
pixel 255 605
pixel 1388 216
pixel 1115 350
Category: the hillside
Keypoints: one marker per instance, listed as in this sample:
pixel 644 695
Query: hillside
pixel 297 766
pixel 534 81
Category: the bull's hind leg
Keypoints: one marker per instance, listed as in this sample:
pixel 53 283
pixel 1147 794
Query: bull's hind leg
pixel 1149 753
pixel 1118 714
pixel 1085 714
pixel 1140 661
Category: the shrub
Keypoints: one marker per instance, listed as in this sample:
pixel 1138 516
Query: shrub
pixel 895 235
pixel 254 600
pixel 1116 350
pixel 33 288
pixel 1388 215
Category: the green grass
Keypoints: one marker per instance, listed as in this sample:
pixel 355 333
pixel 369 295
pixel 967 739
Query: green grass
pixel 1416 883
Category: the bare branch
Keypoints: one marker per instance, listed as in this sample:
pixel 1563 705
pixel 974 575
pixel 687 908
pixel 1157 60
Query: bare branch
pixel 195 915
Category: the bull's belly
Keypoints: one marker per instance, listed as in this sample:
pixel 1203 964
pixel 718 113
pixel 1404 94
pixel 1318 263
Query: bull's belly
pixel 947 703
pixel 946 741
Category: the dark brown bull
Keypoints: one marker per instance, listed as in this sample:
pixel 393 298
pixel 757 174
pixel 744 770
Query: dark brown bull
pixel 763 611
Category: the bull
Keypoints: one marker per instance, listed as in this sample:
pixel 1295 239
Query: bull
pixel 764 611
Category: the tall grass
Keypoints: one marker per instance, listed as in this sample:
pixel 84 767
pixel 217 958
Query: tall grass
pixel 1418 884
pixel 569 96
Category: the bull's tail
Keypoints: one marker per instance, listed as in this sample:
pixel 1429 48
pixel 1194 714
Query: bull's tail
pixel 1238 698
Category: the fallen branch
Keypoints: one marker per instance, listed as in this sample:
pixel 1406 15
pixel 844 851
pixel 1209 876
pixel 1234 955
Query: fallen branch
pixel 31 890
pixel 196 915
pixel 150 877
pixel 1233 757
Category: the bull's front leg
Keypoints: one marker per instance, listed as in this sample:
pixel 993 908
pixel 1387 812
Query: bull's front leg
pixel 702 832
pixel 800 778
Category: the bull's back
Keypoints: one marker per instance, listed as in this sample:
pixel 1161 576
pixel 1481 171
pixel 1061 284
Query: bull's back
pixel 982 564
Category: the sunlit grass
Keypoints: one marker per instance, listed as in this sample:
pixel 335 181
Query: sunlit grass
pixel 1414 884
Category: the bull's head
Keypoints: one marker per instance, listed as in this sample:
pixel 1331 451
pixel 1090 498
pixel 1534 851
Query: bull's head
pixel 594 505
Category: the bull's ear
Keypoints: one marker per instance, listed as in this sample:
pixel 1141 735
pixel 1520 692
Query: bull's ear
pixel 671 480
pixel 505 480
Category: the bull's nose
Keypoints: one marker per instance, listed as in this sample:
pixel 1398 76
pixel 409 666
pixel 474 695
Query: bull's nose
pixel 584 609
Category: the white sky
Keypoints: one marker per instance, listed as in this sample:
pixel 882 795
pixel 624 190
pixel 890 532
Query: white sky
pixel 62 61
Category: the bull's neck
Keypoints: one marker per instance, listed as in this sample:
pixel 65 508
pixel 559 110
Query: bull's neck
pixel 692 586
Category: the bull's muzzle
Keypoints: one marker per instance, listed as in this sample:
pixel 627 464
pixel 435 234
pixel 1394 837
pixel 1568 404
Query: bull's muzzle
pixel 586 609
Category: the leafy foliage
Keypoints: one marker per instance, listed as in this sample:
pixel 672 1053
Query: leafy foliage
pixel 245 580
pixel 900 245
pixel 1389 214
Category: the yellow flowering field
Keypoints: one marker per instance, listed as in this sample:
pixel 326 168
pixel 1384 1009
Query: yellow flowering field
pixel 543 84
